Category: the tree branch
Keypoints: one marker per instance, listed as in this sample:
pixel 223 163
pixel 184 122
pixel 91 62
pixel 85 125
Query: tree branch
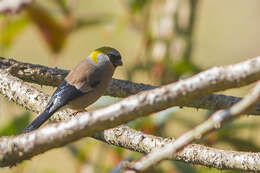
pixel 123 136
pixel 182 92
pixel 43 75
pixel 126 137
pixel 12 6
pixel 213 123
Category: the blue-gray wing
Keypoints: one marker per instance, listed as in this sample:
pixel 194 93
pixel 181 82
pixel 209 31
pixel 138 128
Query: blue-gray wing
pixel 62 95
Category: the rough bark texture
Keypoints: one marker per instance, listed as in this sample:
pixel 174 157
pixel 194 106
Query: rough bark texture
pixel 122 136
pixel 183 92
pixel 215 122
pixel 196 154
pixel 43 75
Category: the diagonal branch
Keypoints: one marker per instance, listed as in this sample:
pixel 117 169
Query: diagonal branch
pixel 182 92
pixel 213 123
pixel 43 75
pixel 126 137
pixel 123 136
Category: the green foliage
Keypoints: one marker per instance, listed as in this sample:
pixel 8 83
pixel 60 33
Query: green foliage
pixel 63 5
pixel 48 171
pixel 10 28
pixel 56 25
pixel 183 167
pixel 15 126
pixel 53 32
pixel 79 153
pixel 185 67
pixel 226 134
pixel 137 5
pixel 91 21
pixel 53 28
pixel 201 169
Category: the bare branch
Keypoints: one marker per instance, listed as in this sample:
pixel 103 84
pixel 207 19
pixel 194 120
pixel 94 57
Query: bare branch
pixel 123 136
pixel 26 95
pixel 213 123
pixel 43 75
pixel 34 73
pixel 142 104
pixel 126 137
pixel 12 6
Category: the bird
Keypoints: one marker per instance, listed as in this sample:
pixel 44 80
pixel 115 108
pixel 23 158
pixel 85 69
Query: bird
pixel 84 84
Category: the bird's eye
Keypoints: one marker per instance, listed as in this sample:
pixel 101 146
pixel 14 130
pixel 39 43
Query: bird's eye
pixel 113 56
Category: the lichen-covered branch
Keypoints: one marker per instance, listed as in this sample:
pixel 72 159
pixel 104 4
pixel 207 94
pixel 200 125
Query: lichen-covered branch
pixel 26 95
pixel 196 154
pixel 34 73
pixel 34 100
pixel 142 104
pixel 43 75
pixel 12 6
pixel 213 123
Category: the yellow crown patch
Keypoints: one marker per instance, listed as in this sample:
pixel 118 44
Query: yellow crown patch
pixel 94 55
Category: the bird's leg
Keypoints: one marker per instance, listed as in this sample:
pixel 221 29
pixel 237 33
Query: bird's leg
pixel 79 111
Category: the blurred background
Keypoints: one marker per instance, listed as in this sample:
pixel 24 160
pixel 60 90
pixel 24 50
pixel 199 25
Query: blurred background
pixel 160 41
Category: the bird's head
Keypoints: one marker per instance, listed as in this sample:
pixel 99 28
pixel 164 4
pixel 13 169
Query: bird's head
pixel 105 54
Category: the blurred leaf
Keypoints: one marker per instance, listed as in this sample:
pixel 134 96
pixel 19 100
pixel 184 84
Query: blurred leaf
pixel 184 121
pixel 10 29
pixel 144 124
pixel 226 134
pixel 88 21
pixel 48 171
pixel 203 169
pixel 16 125
pixel 162 117
pixel 230 129
pixel 118 150
pixel 183 167
pixel 185 67
pixel 139 67
pixel 63 5
pixel 53 32
pixel 78 152
pixel 137 5
pixel 241 144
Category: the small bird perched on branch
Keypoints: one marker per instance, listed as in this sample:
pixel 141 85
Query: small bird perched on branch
pixel 83 85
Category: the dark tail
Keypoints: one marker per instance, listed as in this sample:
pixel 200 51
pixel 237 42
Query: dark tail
pixel 62 95
pixel 38 121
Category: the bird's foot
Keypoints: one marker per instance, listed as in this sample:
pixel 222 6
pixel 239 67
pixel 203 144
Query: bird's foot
pixel 81 111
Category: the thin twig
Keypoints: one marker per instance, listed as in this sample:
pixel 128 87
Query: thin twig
pixel 126 137
pixel 213 123
pixel 182 92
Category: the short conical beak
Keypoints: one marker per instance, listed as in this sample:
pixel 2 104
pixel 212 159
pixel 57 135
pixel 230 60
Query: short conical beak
pixel 119 63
